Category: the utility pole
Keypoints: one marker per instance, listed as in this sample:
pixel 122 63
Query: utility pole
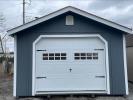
pixel 23 11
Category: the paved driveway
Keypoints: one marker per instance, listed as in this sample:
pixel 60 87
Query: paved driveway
pixel 6 94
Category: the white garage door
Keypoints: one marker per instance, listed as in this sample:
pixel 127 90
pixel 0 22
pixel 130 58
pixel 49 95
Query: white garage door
pixel 70 64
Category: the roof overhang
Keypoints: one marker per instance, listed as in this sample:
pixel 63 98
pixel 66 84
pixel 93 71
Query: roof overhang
pixel 75 10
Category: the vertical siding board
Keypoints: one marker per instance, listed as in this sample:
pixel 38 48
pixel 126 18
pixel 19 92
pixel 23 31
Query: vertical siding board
pixel 117 65
pixel 24 67
pixel 57 26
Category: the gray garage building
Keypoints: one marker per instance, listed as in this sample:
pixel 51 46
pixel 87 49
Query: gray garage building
pixel 70 51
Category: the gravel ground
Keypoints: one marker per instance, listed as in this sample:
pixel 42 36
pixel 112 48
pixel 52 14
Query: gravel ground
pixel 6 85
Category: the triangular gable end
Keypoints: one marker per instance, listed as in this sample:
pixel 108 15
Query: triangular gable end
pixel 74 10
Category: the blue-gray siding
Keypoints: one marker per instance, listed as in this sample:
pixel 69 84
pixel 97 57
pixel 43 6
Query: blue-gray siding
pixel 57 26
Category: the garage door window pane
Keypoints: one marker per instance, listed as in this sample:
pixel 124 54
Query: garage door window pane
pixel 77 54
pixel 63 58
pixel 83 58
pixel 89 54
pixel 95 56
pixel 45 58
pixel 89 57
pixel 51 58
pixel 63 54
pixel 45 54
pixel 57 54
pixel 51 54
pixel 77 58
pixel 83 54
pixel 57 58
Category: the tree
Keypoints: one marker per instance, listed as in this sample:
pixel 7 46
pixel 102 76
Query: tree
pixel 2 23
pixel 2 31
pixel 3 34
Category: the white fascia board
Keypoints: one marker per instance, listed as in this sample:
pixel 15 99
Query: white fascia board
pixel 75 10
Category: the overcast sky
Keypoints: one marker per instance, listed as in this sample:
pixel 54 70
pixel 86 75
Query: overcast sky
pixel 120 11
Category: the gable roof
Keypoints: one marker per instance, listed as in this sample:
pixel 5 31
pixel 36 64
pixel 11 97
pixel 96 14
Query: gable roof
pixel 75 10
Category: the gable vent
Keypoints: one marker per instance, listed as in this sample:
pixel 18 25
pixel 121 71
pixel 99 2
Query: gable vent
pixel 69 20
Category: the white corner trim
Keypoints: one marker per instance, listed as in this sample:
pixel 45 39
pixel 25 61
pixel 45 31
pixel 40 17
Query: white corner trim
pixel 75 10
pixel 83 35
pixel 125 64
pixel 15 66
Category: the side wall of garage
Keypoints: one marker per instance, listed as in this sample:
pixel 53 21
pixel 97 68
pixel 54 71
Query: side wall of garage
pixel 57 26
pixel 130 63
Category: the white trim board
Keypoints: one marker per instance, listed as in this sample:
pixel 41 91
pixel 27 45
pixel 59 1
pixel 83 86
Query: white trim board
pixel 33 67
pixel 125 64
pixel 71 92
pixel 75 10
pixel 54 36
pixel 15 66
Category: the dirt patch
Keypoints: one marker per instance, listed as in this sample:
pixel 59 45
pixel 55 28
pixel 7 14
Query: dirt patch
pixel 6 85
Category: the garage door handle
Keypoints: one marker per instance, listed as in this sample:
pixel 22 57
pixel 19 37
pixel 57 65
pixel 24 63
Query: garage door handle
pixel 99 49
pixel 100 76
pixel 41 50
pixel 40 77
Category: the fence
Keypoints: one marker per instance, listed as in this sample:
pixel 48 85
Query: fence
pixel 6 65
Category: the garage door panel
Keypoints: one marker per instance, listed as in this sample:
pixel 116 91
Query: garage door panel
pixel 74 75
pixel 50 69
pixel 60 84
pixel 77 69
pixel 69 43
pixel 82 69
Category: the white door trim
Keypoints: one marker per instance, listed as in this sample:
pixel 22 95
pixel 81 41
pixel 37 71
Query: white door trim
pixel 125 64
pixel 84 35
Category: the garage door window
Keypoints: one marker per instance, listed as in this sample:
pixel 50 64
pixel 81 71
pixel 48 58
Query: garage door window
pixel 86 56
pixel 95 55
pixel 89 56
pixel 45 56
pixel 54 56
